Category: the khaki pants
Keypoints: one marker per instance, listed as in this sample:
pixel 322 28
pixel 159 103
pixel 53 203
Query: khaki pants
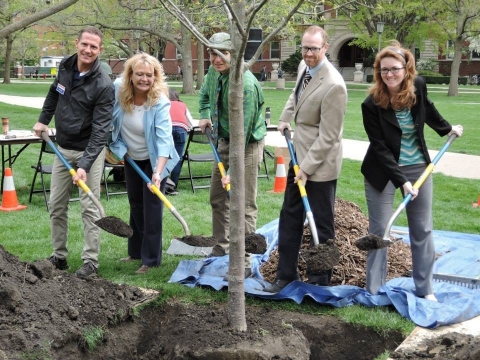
pixel 60 191
pixel 220 201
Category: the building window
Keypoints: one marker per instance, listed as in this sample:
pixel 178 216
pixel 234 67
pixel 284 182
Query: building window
pixel 449 50
pixel 476 54
pixel 275 50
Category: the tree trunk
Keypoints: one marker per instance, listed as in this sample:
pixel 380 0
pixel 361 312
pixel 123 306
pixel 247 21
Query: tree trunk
pixel 8 55
pixel 236 269
pixel 186 51
pixel 200 65
pixel 455 69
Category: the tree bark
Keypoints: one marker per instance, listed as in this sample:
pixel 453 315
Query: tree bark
pixel 236 269
pixel 186 51
pixel 8 57
pixel 455 69
pixel 27 20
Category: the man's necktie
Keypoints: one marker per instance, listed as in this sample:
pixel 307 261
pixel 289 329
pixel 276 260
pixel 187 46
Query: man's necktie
pixel 215 111
pixel 306 79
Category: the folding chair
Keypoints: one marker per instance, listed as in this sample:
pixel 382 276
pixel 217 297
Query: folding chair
pixel 266 153
pixel 42 169
pixel 116 171
pixel 197 137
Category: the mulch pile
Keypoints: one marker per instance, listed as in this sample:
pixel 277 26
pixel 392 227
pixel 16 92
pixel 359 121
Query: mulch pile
pixel 350 224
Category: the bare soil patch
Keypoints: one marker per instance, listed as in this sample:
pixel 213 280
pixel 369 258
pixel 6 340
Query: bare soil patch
pixel 45 314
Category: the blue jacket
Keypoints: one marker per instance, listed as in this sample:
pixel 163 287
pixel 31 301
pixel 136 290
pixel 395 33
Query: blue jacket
pixel 158 133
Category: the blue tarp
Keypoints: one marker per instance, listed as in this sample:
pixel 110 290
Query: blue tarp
pixel 460 256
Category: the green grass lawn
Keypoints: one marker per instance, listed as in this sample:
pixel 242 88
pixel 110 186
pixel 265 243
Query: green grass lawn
pixel 26 233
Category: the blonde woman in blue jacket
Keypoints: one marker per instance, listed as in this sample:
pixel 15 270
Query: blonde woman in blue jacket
pixel 142 129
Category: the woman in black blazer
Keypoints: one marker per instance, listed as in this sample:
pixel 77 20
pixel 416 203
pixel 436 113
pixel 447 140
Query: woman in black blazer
pixel 394 116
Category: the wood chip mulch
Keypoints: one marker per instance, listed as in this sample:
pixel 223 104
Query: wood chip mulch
pixel 350 224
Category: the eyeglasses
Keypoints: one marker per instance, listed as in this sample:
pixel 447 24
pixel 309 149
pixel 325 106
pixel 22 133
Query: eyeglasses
pixel 393 70
pixel 213 54
pixel 314 50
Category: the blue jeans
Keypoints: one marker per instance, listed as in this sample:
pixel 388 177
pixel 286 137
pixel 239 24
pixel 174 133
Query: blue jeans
pixel 179 138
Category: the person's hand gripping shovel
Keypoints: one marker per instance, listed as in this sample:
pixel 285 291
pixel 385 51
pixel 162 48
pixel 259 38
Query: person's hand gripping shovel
pixel 110 224
pixel 321 256
pixel 374 242
pixel 220 165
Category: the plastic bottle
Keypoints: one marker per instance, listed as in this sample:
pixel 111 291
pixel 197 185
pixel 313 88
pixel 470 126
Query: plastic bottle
pixel 5 125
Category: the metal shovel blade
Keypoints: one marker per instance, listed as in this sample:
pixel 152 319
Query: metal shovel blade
pixel 110 224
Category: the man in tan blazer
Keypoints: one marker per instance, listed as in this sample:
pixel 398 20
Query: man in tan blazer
pixel 318 110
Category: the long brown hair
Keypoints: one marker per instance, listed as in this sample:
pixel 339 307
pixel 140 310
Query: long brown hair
pixel 406 96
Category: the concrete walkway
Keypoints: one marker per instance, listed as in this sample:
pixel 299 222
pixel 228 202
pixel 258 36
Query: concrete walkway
pixel 451 164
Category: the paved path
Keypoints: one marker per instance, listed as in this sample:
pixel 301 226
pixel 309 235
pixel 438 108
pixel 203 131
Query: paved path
pixel 451 164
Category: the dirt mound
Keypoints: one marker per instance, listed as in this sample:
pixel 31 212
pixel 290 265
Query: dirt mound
pixel 40 304
pixel 51 314
pixel 350 224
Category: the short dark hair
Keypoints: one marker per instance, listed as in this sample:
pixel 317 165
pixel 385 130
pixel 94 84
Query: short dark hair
pixel 91 30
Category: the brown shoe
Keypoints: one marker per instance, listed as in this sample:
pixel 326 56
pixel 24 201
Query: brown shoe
pixel 142 270
pixel 128 258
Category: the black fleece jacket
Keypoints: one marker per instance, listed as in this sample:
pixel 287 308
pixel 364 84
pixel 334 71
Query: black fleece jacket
pixel 83 112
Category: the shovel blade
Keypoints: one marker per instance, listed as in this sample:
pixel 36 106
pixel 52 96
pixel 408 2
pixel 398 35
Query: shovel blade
pixel 372 242
pixel 115 226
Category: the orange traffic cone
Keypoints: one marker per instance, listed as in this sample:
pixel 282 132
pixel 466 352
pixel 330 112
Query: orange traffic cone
pixel 477 204
pixel 280 176
pixel 9 200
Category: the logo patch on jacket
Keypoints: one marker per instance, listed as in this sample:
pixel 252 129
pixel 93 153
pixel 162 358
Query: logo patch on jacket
pixel 61 89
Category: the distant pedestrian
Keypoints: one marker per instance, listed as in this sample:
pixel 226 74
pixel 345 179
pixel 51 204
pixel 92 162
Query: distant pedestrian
pixel 263 73
pixel 280 73
pixel 36 73
pixel 179 71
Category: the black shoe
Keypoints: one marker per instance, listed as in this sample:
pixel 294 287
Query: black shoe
pixel 217 250
pixel 172 191
pixel 86 270
pixel 278 285
pixel 248 273
pixel 60 264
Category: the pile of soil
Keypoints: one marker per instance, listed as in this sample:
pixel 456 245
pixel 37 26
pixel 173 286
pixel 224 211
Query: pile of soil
pixel 46 313
pixel 350 224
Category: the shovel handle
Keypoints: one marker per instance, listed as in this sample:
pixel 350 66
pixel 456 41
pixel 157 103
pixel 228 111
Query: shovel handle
pixel 428 170
pixel 72 172
pixel 220 165
pixel 301 187
pixel 160 195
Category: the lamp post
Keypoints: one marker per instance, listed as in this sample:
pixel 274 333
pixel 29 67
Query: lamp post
pixel 380 25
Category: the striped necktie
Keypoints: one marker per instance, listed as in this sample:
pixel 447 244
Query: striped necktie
pixel 306 79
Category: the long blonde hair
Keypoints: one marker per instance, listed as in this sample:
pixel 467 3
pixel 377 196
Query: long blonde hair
pixel 406 96
pixel 159 87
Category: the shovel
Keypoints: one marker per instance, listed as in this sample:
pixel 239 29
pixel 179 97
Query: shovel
pixel 157 192
pixel 208 131
pixel 374 242
pixel 321 256
pixel 110 224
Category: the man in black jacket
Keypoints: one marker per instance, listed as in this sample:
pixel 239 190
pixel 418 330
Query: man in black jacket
pixel 81 98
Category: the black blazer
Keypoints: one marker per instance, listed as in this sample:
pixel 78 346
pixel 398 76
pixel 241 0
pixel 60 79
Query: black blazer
pixel 380 164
